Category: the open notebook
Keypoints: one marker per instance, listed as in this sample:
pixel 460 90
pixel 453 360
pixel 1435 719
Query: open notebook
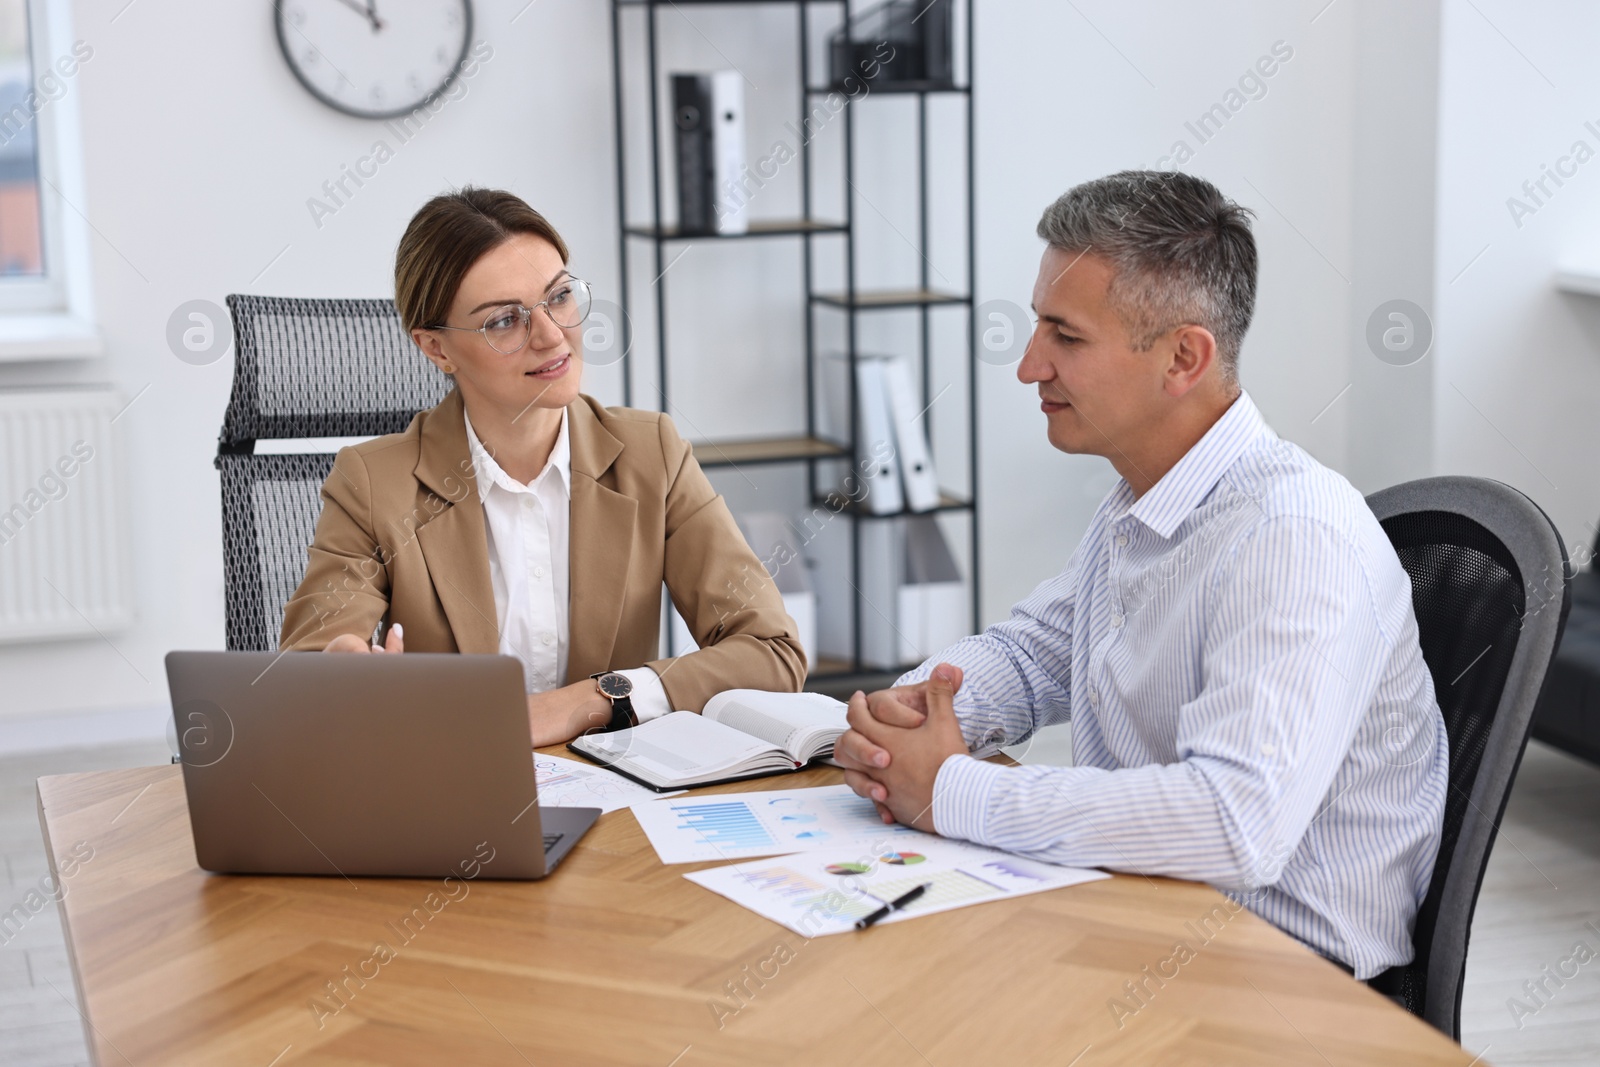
pixel 742 733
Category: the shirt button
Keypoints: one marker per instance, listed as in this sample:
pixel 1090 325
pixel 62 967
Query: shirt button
pixel 1268 748
pixel 538 572
pixel 548 639
pixel 1122 540
pixel 527 501
pixel 1094 697
pixel 1116 621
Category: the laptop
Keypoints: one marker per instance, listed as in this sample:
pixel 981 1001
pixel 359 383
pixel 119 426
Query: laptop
pixel 415 765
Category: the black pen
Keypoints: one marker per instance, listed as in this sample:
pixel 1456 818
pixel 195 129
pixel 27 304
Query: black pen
pixel 894 905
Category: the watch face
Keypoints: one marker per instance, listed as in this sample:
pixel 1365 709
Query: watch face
pixel 374 58
pixel 615 686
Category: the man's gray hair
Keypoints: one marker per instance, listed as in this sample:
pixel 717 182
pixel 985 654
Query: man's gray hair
pixel 1181 253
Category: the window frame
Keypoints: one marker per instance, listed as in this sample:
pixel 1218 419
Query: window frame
pixel 51 316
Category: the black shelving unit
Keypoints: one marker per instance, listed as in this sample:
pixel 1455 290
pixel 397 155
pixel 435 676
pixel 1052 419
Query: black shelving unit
pixel 653 238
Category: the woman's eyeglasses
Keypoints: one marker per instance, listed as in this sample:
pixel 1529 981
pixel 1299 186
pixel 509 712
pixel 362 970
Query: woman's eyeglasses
pixel 508 326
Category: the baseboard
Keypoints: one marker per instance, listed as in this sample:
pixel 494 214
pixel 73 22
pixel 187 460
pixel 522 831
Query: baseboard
pixel 42 731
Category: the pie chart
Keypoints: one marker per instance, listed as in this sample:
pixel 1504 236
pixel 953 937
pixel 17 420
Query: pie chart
pixel 903 859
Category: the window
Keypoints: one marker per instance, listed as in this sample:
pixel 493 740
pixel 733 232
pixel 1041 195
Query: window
pixel 20 253
pixel 44 249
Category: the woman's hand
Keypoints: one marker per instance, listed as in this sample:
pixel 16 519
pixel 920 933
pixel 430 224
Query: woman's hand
pixel 393 641
pixel 553 717
pixel 562 714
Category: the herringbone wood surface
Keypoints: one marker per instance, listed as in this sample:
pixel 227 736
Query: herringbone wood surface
pixel 616 959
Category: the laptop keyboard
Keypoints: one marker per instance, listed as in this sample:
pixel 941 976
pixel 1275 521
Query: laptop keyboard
pixel 550 842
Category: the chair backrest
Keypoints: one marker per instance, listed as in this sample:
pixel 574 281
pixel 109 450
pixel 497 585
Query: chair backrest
pixel 1490 588
pixel 323 368
pixel 303 368
pixel 270 506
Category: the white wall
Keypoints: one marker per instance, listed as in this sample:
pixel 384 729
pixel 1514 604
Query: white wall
pixel 1518 369
pixel 1389 403
pixel 1071 92
pixel 201 152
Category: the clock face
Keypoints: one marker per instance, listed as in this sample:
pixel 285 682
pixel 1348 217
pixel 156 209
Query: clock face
pixel 374 58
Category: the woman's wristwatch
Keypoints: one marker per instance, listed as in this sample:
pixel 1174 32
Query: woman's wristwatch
pixel 617 688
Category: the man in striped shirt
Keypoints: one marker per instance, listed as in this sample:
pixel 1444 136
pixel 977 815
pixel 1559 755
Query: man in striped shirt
pixel 1233 639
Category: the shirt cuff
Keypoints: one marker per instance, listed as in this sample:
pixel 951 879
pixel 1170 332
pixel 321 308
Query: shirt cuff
pixel 649 698
pixel 961 797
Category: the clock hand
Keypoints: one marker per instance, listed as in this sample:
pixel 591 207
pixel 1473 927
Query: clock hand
pixel 372 13
pixel 366 12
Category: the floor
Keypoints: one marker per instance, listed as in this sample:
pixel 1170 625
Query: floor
pixel 1540 903
pixel 39 1021
pixel 1542 888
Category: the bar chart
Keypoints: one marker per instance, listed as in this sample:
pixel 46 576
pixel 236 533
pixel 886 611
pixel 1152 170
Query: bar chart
pixel 746 825
pixel 730 825
pixel 784 882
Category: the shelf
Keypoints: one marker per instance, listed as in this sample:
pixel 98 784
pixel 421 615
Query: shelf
pixel 1571 278
pixel 766 450
pixel 803 438
pixel 890 298
pixel 758 228
pixel 838 679
pixel 946 503
pixel 825 667
pixel 718 3
pixel 898 89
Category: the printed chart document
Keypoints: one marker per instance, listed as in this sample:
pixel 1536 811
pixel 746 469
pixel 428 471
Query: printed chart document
pixel 566 783
pixel 735 826
pixel 742 733
pixel 824 891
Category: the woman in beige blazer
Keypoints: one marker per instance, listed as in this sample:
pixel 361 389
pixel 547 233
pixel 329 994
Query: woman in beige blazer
pixel 520 516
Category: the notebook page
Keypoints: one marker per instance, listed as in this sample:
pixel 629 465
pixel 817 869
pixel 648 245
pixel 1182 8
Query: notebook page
pixel 679 746
pixel 788 720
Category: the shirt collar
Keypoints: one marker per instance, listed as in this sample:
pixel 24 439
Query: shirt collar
pixel 1164 507
pixel 489 474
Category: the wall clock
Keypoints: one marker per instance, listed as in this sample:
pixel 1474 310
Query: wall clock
pixel 370 59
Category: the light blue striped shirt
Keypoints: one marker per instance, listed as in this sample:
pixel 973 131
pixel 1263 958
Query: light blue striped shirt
pixel 1238 656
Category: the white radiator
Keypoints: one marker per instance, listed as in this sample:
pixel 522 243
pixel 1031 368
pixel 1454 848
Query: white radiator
pixel 63 541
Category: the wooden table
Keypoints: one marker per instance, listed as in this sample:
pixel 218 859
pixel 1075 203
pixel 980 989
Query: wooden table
pixel 616 959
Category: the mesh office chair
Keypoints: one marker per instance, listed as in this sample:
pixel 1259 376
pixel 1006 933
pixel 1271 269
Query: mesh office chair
pixel 1489 585
pixel 302 368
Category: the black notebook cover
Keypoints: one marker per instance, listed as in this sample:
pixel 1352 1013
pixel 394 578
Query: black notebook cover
pixel 698 785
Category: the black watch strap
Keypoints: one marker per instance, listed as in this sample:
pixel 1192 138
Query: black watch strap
pixel 622 716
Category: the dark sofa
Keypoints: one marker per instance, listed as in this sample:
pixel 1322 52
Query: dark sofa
pixel 1568 715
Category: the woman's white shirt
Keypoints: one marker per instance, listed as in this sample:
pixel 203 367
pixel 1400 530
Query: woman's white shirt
pixel 529 529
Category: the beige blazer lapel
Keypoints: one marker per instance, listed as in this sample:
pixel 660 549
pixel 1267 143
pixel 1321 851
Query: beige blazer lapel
pixel 600 546
pixel 454 542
